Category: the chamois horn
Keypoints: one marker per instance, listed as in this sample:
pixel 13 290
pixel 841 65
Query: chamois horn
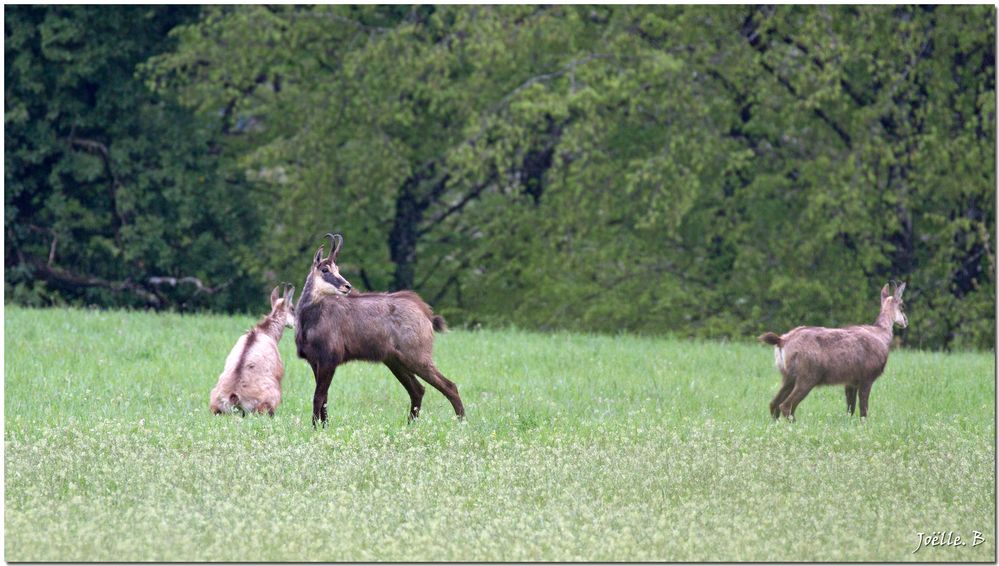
pixel 336 242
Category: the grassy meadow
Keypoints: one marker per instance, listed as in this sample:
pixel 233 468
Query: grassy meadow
pixel 576 447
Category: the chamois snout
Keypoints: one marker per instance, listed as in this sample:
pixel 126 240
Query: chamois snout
pixel 332 283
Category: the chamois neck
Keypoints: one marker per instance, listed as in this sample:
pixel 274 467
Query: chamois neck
pixel 271 326
pixel 885 322
pixel 306 295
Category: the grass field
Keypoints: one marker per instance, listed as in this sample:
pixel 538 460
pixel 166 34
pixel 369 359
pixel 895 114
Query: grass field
pixel 575 448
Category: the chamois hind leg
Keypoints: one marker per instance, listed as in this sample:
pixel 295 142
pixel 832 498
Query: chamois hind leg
pixel 264 408
pixel 782 393
pixel 790 403
pixel 323 375
pixel 851 399
pixel 429 372
pixel 413 387
pixel 865 392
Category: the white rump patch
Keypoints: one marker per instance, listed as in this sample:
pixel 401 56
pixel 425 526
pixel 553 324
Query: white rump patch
pixel 779 357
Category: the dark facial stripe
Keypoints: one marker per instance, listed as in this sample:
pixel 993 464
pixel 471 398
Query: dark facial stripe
pixel 334 280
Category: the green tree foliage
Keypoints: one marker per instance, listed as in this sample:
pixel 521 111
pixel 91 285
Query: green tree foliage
pixel 113 195
pixel 705 171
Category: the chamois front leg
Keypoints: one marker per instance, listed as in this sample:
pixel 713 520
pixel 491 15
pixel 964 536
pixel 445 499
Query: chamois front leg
pixel 323 378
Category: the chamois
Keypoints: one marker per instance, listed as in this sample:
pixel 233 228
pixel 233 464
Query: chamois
pixel 336 326
pixel 251 380
pixel 853 356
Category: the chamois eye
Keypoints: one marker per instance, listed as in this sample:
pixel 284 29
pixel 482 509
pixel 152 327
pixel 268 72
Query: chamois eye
pixel 326 270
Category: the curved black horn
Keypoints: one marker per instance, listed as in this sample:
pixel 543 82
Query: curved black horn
pixel 336 242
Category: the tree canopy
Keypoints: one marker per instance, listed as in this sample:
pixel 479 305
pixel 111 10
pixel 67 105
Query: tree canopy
pixel 710 171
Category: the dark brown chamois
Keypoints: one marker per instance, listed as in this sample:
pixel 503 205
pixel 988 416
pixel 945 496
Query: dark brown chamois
pixel 853 357
pixel 336 326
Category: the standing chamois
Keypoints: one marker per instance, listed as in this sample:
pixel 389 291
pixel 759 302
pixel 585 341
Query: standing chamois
pixel 336 326
pixel 251 380
pixel 853 356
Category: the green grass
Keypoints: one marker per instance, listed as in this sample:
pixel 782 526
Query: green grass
pixel 575 448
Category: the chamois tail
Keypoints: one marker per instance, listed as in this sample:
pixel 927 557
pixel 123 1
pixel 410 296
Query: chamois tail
pixel 439 324
pixel 770 338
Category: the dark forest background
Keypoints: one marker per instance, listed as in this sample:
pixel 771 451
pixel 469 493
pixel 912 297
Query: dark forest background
pixel 710 171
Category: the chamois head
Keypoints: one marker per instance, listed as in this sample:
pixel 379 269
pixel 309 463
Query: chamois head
pixel 891 304
pixel 325 275
pixel 282 307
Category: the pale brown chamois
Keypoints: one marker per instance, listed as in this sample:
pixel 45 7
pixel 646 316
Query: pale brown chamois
pixel 853 357
pixel 251 380
pixel 336 326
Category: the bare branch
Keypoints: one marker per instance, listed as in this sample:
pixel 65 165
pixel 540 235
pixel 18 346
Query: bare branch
pixel 570 67
pixel 199 285
pixel 52 249
pixel 55 274
pixel 98 148
pixel 474 193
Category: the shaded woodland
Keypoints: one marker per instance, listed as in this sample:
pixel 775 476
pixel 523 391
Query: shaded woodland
pixel 703 171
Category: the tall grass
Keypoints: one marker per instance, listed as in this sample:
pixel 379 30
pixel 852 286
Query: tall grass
pixel 576 447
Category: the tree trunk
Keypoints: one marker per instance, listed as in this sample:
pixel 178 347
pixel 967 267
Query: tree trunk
pixel 402 238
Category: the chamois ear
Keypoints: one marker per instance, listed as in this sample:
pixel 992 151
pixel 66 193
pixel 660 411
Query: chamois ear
pixel 884 292
pixel 318 258
pixel 275 296
pixel 899 290
pixel 288 294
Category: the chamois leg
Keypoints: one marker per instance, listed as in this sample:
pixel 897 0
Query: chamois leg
pixel 865 392
pixel 429 372
pixel 782 394
pixel 851 399
pixel 413 387
pixel 323 378
pixel 791 401
pixel 264 408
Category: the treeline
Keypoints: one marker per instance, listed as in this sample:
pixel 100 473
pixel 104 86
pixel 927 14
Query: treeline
pixel 708 171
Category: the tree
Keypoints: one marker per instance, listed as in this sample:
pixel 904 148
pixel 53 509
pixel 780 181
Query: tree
pixel 113 194
pixel 704 171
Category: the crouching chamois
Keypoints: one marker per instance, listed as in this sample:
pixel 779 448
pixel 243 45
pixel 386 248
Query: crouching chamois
pixel 336 326
pixel 853 356
pixel 251 380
